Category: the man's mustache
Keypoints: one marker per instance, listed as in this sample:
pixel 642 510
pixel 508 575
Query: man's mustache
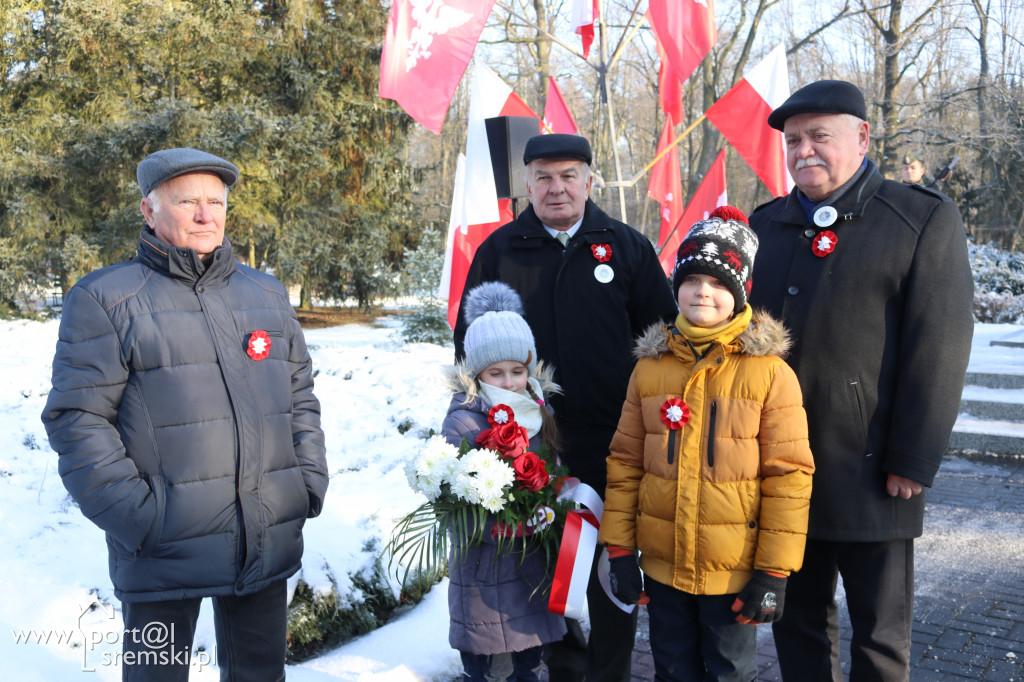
pixel 810 161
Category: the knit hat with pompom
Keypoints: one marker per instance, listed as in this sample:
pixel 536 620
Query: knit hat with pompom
pixel 722 246
pixel 497 331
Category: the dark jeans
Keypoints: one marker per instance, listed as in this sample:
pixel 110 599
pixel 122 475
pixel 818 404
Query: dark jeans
pixel 251 631
pixel 696 637
pixel 519 666
pixel 608 656
pixel 878 578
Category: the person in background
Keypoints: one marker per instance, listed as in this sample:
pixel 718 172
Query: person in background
pixel 913 172
pixel 590 285
pixel 872 278
pixel 185 424
pixel 713 432
pixel 497 603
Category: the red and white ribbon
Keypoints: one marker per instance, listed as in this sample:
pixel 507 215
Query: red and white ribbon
pixel 576 554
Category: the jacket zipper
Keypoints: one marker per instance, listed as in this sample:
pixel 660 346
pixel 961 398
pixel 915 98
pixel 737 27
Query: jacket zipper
pixel 711 434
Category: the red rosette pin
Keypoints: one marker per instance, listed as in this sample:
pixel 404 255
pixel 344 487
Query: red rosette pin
pixel 602 252
pixel 824 243
pixel 259 345
pixel 675 413
pixel 500 414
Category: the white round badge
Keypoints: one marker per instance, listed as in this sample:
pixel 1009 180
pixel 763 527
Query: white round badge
pixel 825 216
pixel 603 273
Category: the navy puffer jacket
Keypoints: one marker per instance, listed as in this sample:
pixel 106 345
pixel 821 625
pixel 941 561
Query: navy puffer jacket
pixel 200 462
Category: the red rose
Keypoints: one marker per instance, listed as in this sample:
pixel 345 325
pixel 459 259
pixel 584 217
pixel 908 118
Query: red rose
pixel 509 439
pixel 531 472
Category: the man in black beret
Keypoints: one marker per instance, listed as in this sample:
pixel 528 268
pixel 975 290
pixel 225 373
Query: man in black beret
pixel 590 285
pixel 183 416
pixel 872 277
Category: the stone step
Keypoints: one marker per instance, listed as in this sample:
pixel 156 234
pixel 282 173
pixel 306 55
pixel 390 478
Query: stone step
pixel 994 380
pixel 993 436
pixel 1001 404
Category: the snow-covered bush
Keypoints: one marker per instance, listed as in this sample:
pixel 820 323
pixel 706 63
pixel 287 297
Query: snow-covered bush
pixel 998 284
pixel 421 273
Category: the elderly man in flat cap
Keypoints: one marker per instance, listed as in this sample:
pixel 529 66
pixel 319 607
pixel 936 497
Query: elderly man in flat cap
pixel 873 279
pixel 183 414
pixel 590 285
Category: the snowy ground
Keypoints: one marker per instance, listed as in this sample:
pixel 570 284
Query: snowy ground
pixel 379 396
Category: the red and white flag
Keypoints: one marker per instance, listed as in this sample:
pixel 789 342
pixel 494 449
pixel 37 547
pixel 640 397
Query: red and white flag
pixel 427 46
pixel 742 117
pixel 665 185
pixel 584 14
pixel 686 30
pixel 709 195
pixel 476 209
pixel 557 117
pixel 670 89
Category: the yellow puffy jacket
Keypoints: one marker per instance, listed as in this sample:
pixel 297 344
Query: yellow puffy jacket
pixel 733 495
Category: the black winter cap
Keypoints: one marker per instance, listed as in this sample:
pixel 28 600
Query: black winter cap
pixel 557 146
pixel 821 97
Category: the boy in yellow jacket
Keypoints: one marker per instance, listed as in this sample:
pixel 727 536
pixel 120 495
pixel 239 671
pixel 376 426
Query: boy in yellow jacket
pixel 709 475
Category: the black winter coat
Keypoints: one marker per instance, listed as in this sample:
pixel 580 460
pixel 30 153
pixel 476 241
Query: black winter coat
pixel 882 329
pixel 199 462
pixel 583 327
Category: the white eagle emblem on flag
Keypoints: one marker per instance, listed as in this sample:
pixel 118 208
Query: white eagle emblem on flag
pixel 430 18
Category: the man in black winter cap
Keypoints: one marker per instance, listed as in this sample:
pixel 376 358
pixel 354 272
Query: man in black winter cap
pixel 873 279
pixel 183 415
pixel 590 285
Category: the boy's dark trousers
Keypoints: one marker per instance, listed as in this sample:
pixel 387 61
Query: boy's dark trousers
pixel 608 654
pixel 696 637
pixel 251 637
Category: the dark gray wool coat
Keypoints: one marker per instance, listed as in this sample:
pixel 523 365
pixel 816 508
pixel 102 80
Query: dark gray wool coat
pixel 489 603
pixel 882 332
pixel 200 463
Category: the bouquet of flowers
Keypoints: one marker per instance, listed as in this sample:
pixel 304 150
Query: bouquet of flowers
pixel 500 489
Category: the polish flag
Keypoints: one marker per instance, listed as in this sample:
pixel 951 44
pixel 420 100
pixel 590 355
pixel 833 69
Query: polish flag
pixel 427 47
pixel 742 117
pixel 665 185
pixel 476 209
pixel 584 15
pixel 686 30
pixel 709 195
pixel 557 117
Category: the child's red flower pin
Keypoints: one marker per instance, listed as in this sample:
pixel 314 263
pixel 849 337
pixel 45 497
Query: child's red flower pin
pixel 675 413
pixel 500 414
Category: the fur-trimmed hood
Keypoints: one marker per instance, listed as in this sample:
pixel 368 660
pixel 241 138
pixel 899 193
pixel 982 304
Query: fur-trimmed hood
pixel 458 379
pixel 764 336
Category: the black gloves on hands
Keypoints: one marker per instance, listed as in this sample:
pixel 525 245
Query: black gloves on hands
pixel 625 579
pixel 761 600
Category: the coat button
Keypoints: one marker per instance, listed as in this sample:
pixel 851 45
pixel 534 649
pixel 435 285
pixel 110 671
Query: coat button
pixel 200 288
pixel 793 291
pixel 809 233
pixel 752 524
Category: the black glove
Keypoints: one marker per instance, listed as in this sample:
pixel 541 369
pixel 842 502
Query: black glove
pixel 626 581
pixel 762 599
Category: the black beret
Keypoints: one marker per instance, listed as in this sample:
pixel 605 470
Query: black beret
pixel 165 164
pixel 821 97
pixel 557 146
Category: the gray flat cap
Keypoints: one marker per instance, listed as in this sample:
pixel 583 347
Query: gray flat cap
pixel 165 164
pixel 557 146
pixel 821 97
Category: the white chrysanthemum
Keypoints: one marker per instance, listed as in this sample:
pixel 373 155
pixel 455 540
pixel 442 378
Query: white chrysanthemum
pixel 464 487
pixel 479 461
pixel 493 504
pixel 491 483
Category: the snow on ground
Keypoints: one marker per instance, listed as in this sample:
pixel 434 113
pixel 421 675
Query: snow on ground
pixel 379 398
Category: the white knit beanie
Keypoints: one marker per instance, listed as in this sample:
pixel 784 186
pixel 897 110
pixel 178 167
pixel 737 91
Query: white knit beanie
pixel 497 331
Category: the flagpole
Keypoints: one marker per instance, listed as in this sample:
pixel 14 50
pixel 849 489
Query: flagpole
pixel 643 171
pixel 613 134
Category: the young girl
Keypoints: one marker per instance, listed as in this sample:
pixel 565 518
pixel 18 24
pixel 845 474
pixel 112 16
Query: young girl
pixel 709 475
pixel 499 619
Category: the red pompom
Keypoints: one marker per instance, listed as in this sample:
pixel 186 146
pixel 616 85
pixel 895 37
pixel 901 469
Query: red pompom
pixel 729 213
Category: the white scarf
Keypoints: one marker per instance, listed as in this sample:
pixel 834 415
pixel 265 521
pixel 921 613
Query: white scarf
pixel 525 408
